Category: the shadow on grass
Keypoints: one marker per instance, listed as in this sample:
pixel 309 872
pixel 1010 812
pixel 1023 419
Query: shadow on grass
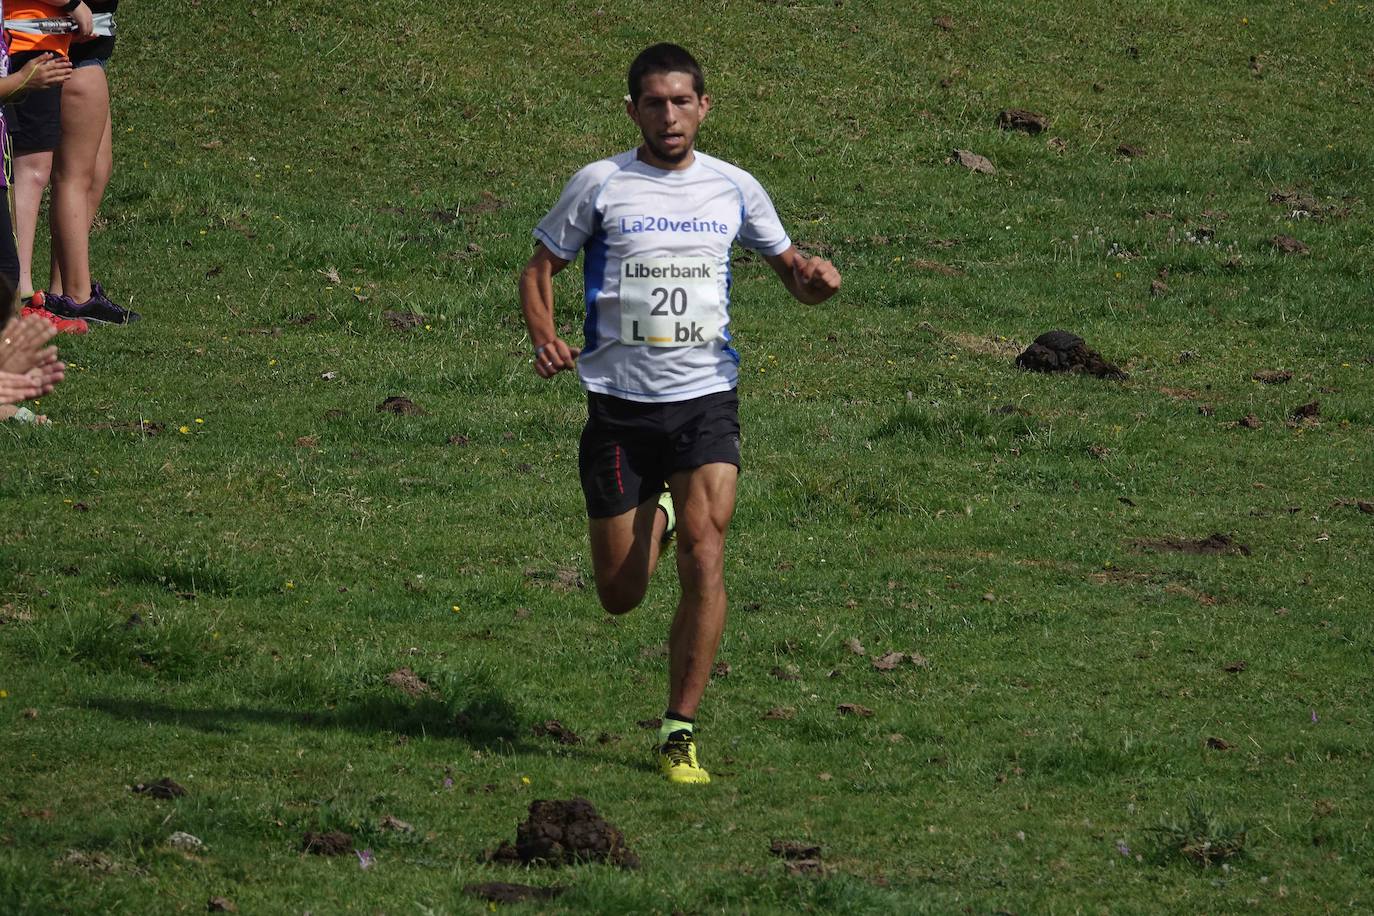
pixel 486 720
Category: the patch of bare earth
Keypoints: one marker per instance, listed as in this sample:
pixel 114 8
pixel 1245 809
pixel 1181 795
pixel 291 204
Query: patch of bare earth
pixel 1210 545
pixel 333 843
pixel 799 858
pixel 567 832
pixel 409 683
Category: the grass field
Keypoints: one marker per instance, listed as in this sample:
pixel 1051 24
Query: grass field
pixel 1091 705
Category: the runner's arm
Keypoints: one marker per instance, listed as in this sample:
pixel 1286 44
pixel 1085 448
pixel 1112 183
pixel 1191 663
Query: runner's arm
pixel 809 280
pixel 551 354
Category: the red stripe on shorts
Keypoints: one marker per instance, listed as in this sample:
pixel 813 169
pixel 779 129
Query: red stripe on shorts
pixel 618 482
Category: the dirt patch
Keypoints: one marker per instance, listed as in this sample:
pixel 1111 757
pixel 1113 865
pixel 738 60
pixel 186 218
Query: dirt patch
pixel 1130 151
pixel 1272 376
pixel 221 905
pixel 409 683
pixel 1363 505
pixel 402 407
pixel 487 203
pixel 164 788
pixel 854 709
pixel 1300 204
pixel 1212 544
pixel 781 712
pixel 799 858
pixel 1180 394
pixel 1250 421
pixel 333 843
pixel 501 892
pixel 936 267
pixel 555 730
pixel 893 660
pixel 1062 351
pixel 973 162
pixel 565 833
pixel 563 579
pixel 1020 119
pixel 785 674
pixel 1219 744
pixel 1309 411
pixel 401 321
pixel 1286 244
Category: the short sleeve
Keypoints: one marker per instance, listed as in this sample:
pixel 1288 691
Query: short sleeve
pixel 761 231
pixel 573 220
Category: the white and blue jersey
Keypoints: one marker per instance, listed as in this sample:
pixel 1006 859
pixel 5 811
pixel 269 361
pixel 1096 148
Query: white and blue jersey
pixel 657 270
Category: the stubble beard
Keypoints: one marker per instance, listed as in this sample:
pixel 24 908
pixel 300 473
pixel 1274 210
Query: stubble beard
pixel 671 157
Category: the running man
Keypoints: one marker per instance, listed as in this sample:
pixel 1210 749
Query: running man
pixel 656 224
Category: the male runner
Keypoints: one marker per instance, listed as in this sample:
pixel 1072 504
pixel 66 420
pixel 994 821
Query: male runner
pixel 657 224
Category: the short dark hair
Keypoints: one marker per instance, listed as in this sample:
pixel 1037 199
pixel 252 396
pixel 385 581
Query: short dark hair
pixel 665 58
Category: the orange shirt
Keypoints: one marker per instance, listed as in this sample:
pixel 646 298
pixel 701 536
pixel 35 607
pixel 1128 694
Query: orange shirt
pixel 34 9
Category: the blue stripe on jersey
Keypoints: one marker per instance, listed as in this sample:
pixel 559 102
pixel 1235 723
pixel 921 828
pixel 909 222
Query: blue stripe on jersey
pixel 593 278
pixel 729 282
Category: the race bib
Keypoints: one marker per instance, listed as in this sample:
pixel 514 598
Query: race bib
pixel 670 302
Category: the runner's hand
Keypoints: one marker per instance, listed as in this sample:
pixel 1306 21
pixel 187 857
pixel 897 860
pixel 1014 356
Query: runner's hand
pixel 815 276
pixel 553 357
pixel 85 23
pixel 46 71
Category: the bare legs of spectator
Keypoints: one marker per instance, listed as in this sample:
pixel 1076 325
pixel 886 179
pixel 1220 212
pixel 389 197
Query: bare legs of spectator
pixel 31 173
pixel 82 164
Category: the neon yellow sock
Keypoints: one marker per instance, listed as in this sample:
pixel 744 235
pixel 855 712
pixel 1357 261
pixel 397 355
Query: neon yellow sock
pixel 671 725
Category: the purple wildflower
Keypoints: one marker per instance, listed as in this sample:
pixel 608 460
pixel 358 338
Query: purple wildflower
pixel 1122 848
pixel 364 859
pixel 1314 716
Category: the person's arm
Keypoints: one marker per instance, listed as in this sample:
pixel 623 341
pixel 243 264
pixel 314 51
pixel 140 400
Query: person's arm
pixel 42 72
pixel 551 354
pixel 809 280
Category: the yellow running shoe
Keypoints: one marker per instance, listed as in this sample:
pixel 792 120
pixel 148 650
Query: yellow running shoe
pixel 665 502
pixel 677 758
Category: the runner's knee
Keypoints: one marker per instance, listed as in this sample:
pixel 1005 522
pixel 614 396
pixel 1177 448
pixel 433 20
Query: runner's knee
pixel 619 597
pixel 701 559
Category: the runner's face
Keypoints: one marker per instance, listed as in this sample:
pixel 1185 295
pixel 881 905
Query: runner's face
pixel 669 113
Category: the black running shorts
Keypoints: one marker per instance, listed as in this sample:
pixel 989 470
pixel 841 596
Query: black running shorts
pixel 629 448
pixel 35 121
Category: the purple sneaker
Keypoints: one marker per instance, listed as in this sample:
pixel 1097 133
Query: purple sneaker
pixel 98 309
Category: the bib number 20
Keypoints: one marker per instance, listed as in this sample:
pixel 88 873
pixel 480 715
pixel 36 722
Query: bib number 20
pixel 668 301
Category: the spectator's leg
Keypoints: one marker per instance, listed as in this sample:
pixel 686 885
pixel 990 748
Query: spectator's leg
pixel 85 119
pixel 31 173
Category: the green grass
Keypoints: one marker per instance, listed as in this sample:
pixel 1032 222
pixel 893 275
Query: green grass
pixel 889 496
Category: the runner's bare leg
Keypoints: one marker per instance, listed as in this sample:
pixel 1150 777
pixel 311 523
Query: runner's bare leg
pixel 625 550
pixel 705 502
